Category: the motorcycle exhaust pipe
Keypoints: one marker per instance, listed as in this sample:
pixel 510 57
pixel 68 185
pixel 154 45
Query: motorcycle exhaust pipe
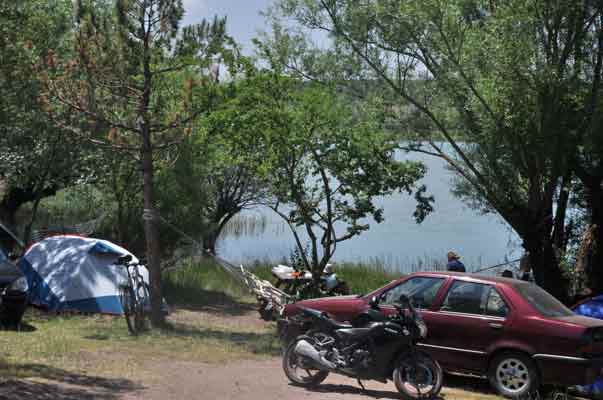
pixel 303 348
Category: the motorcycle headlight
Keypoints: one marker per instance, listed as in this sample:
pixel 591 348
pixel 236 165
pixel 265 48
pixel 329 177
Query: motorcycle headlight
pixel 19 285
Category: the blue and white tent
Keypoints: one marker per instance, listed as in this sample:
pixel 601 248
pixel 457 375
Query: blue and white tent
pixel 592 307
pixel 73 273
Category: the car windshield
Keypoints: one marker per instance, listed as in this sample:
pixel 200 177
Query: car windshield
pixel 542 301
pixel 3 256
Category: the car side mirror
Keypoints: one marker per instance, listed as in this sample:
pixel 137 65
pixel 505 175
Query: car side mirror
pixel 374 302
pixel 403 299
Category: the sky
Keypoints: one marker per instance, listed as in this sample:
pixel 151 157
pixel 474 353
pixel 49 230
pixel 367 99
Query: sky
pixel 243 17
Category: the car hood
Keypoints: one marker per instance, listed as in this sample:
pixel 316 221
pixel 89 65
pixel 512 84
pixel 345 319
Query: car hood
pixel 327 300
pixel 8 273
pixel 586 322
pixel 338 305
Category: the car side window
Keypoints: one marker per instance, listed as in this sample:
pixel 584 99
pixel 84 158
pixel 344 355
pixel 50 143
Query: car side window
pixel 464 297
pixel 495 305
pixel 421 290
pixel 474 298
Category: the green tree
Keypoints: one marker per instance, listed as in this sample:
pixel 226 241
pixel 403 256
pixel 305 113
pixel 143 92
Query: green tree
pixel 501 85
pixel 33 161
pixel 209 184
pixel 134 87
pixel 324 160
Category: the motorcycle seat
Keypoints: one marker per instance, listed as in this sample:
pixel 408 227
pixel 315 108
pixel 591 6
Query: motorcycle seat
pixel 340 325
pixel 352 333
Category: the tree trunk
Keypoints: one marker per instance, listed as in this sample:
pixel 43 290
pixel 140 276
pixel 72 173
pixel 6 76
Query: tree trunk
pixel 594 268
pixel 559 234
pixel 13 199
pixel 545 266
pixel 7 214
pixel 150 229
pixel 32 220
pixel 218 223
pixel 209 241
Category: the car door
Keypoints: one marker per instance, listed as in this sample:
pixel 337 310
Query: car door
pixel 421 290
pixel 471 318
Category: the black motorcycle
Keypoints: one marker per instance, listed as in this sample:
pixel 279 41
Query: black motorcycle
pixel 381 350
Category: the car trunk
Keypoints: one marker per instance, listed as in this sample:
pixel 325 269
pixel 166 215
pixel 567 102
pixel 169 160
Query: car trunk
pixel 593 335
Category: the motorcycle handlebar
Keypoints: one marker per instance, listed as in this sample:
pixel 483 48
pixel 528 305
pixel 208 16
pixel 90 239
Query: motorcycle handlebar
pixel 405 303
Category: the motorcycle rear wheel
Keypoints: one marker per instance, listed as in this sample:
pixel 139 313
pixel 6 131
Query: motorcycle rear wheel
pixel 294 368
pixel 418 377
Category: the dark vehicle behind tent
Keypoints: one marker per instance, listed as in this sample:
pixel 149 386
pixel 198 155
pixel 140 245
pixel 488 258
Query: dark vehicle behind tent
pixel 13 292
pixel 13 284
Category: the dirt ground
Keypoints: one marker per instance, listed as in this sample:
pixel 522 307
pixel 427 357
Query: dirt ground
pixel 244 379
pixel 264 380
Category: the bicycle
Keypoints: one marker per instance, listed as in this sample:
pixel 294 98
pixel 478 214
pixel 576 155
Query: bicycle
pixel 134 296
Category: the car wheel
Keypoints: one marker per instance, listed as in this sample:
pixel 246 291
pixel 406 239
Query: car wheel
pixel 513 375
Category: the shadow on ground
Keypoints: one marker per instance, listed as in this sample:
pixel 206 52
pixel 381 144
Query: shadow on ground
pixel 22 327
pixel 42 382
pixel 467 383
pixel 265 343
pixel 195 299
pixel 356 391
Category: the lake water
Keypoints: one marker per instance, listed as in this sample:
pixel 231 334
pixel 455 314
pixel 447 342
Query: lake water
pixel 398 242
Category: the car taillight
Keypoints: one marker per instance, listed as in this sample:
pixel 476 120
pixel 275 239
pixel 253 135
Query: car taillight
pixel 591 343
pixel 593 335
pixel 597 335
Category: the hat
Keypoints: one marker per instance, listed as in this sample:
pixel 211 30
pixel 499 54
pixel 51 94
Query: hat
pixel 452 255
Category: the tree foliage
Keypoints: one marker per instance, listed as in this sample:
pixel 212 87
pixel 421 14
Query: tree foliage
pixel 502 90
pixel 136 86
pixel 33 161
pixel 324 159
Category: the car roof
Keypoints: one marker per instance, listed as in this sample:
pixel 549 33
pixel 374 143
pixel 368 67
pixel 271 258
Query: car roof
pixel 479 278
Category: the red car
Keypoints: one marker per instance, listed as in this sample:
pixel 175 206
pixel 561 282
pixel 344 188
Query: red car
pixel 511 331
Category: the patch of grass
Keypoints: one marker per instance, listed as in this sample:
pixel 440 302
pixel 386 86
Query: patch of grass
pixel 203 295
pixel 199 283
pixel 101 344
pixel 362 278
pixel 203 282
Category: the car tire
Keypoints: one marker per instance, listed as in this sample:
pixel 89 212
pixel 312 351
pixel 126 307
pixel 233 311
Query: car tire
pixel 514 375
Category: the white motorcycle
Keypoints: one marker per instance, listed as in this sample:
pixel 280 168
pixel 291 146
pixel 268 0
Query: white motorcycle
pixel 296 283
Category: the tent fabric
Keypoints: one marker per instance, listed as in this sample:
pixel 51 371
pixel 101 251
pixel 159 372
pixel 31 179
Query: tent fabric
pixel 593 308
pixel 104 247
pixel 72 273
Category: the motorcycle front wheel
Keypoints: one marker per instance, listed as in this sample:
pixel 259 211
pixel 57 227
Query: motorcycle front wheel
pixel 297 370
pixel 418 376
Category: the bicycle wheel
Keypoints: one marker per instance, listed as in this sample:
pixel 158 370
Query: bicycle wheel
pixel 128 303
pixel 143 304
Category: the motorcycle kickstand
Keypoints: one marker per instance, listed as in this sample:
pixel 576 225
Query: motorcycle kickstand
pixel 361 385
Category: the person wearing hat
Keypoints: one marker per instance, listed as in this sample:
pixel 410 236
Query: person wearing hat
pixel 524 267
pixel 453 262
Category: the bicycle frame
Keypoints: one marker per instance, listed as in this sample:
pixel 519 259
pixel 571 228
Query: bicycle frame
pixel 133 300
